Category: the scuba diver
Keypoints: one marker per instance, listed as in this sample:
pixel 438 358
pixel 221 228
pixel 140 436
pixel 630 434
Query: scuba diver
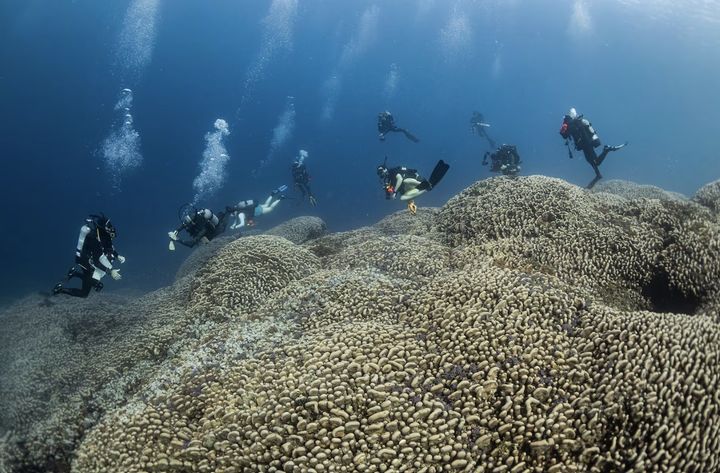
pixel 94 257
pixel 479 127
pixel 408 182
pixel 301 177
pixel 386 124
pixel 581 131
pixel 202 225
pixel 246 211
pixel 505 159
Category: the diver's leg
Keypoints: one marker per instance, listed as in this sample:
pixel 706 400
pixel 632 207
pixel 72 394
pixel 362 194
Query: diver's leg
pixel 490 141
pixel 409 184
pixel 87 284
pixel 591 158
pixel 603 155
pixel 408 135
pixel 301 187
pixel 598 176
pixel 606 150
pixel 271 207
pixel 412 194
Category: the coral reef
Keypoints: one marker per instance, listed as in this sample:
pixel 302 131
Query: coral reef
pixel 200 255
pixel 626 253
pixel 709 196
pixel 631 190
pixel 406 256
pixel 245 272
pixel 300 229
pixel 528 325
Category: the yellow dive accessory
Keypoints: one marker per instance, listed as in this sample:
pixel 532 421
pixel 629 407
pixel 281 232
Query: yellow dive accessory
pixel 412 207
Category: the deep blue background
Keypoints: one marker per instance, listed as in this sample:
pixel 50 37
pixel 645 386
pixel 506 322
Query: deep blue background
pixel 642 72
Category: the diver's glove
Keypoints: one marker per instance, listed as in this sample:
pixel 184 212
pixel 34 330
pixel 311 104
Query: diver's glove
pixel 115 274
pixel 313 201
pixel 121 259
pixel 173 235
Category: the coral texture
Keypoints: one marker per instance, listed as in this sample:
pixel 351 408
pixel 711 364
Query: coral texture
pixel 526 326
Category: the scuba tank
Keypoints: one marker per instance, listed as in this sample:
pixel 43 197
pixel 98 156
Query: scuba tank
pixel 594 138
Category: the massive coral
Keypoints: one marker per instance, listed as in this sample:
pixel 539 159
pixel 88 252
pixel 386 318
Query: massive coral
pixel 526 326
pixel 628 253
pixel 632 191
pixel 709 196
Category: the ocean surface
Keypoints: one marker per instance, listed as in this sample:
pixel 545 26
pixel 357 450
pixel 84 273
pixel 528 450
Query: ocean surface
pixel 286 75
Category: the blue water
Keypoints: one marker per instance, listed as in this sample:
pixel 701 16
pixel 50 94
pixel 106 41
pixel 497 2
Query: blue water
pixel 647 72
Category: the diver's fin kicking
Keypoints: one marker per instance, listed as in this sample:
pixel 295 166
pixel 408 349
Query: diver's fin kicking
pixel 409 135
pixel 438 173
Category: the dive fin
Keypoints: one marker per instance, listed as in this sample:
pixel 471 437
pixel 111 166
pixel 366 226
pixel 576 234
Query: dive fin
pixel 171 246
pixel 410 136
pixel 438 173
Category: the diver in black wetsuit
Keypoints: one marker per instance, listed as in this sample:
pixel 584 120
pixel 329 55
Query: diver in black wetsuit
pixel 408 182
pixel 245 211
pixel 505 159
pixel 386 124
pixel 582 133
pixel 94 257
pixel 479 127
pixel 202 226
pixel 301 177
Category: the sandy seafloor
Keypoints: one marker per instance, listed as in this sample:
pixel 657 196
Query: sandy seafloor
pixel 528 325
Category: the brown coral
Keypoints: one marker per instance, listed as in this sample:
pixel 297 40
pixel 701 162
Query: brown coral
pixel 625 253
pixel 523 349
pixel 300 229
pixel 631 190
pixel 709 196
pixel 491 369
pixel 247 271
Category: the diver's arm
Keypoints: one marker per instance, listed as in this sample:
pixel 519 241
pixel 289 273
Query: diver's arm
pixel 103 263
pixel 188 243
pixel 181 228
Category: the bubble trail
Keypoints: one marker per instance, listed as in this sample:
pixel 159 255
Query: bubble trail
pixel 120 150
pixel 282 132
pixel 214 162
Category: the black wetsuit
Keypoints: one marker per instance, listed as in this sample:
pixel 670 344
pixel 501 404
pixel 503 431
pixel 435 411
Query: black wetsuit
pixel 476 123
pixel 203 224
pixel 391 179
pixel 301 180
pixel 93 259
pixel 386 124
pixel 580 130
pixel 506 155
